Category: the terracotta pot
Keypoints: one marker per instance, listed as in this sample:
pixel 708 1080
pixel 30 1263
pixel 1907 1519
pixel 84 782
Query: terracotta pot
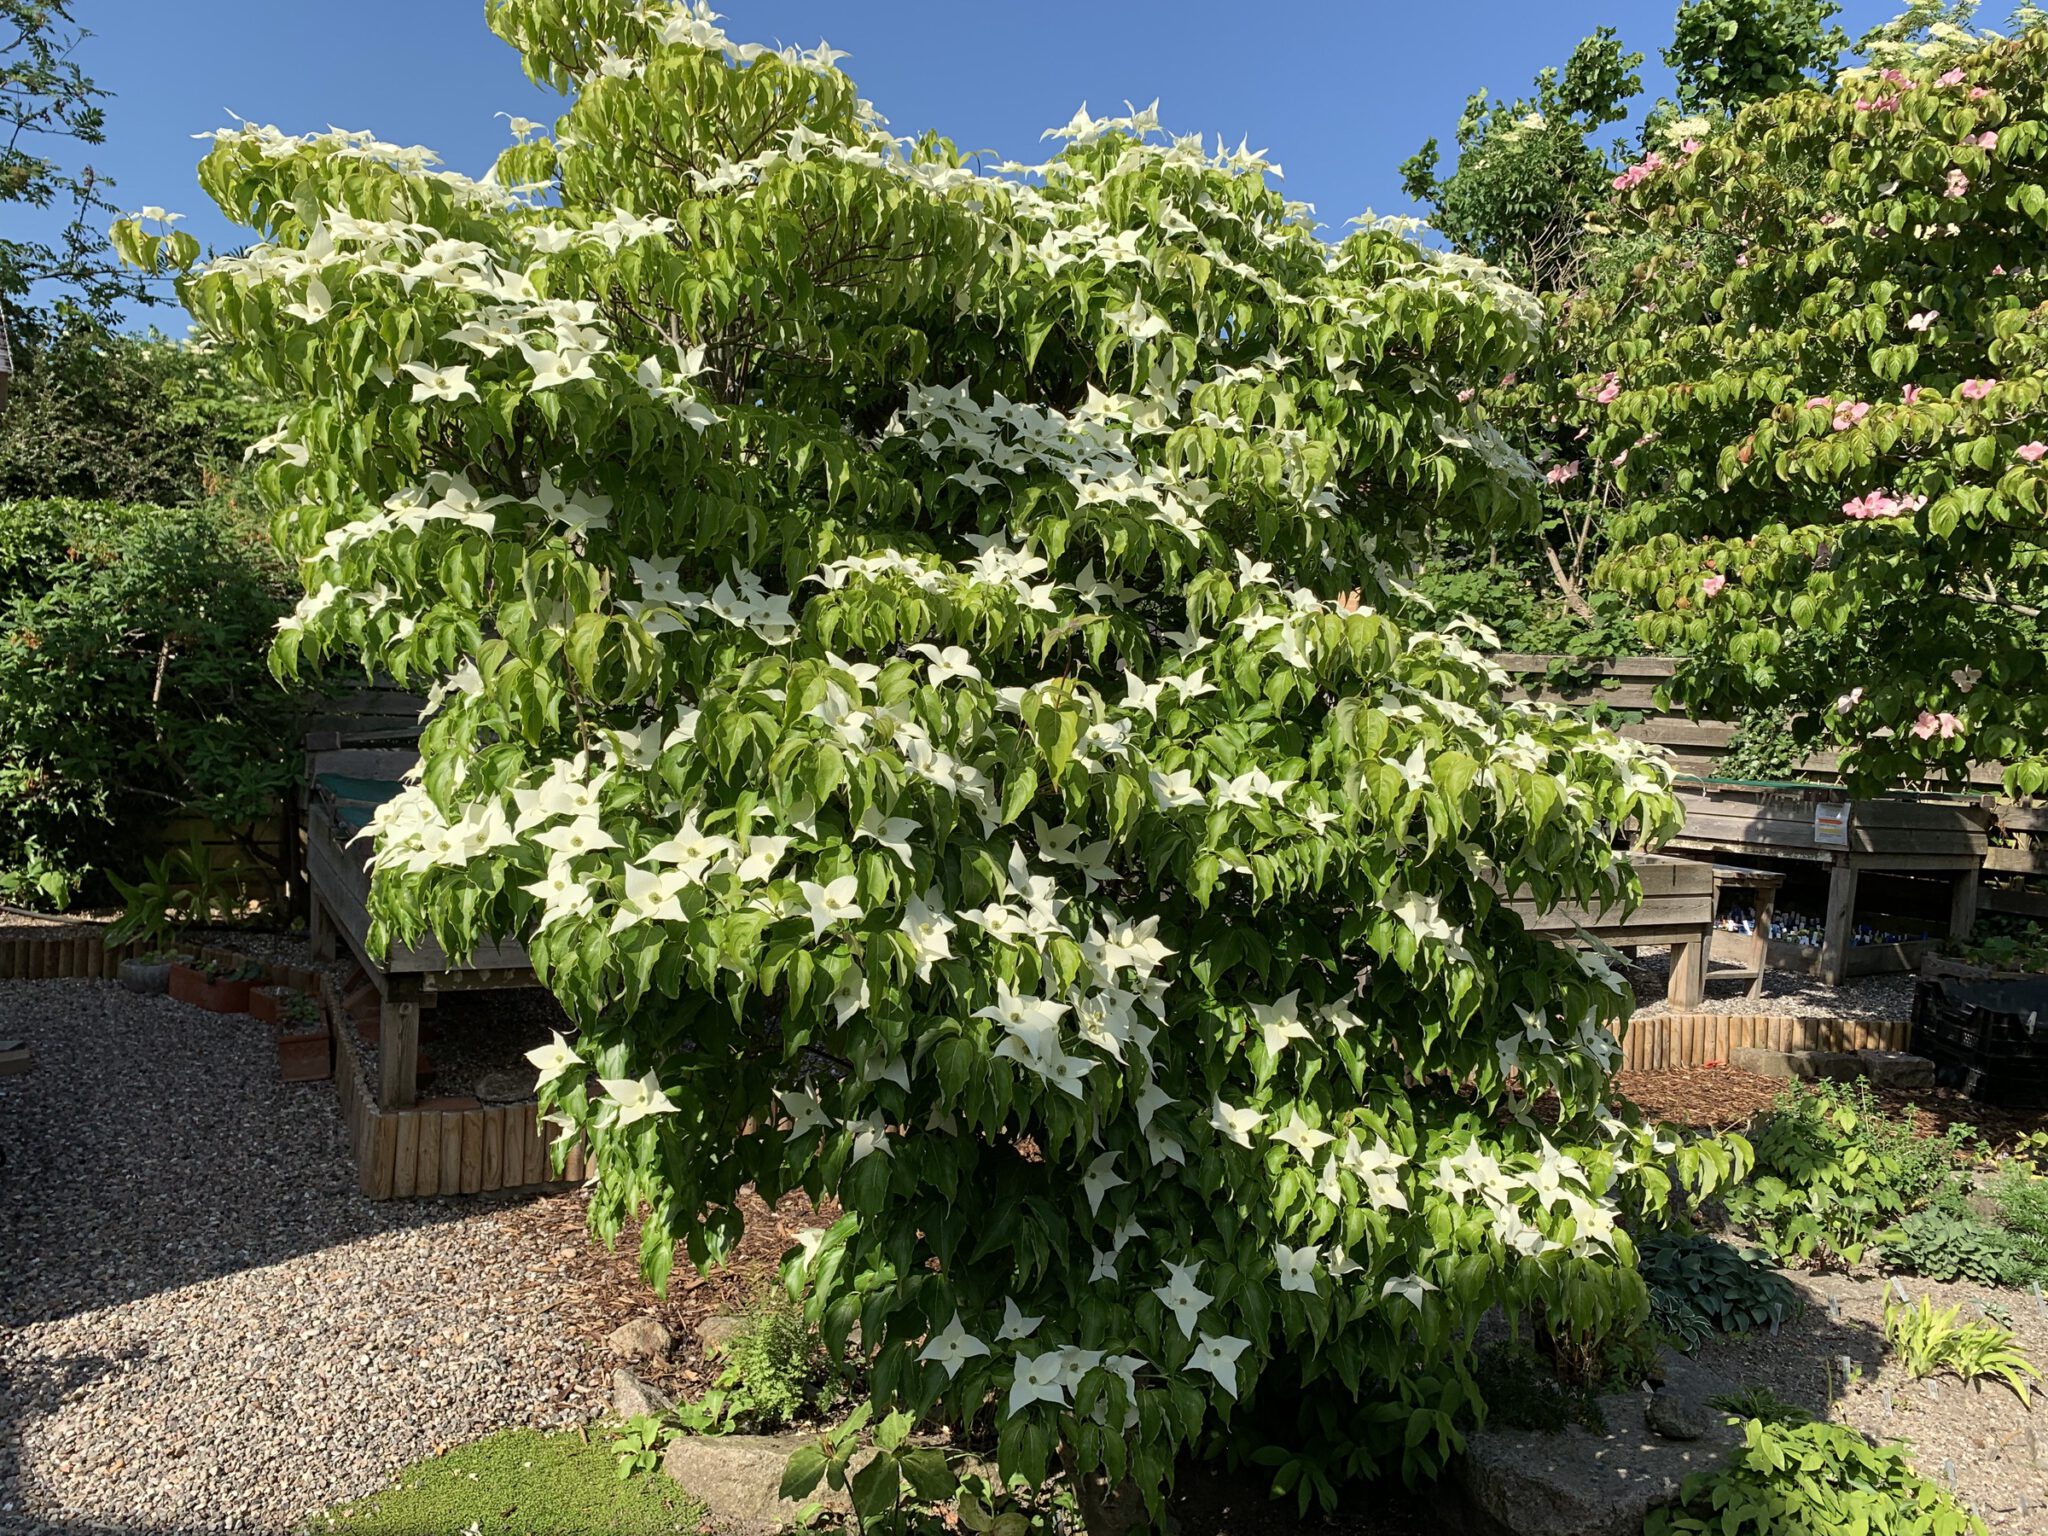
pixel 189 986
pixel 146 976
pixel 307 1058
pixel 267 1004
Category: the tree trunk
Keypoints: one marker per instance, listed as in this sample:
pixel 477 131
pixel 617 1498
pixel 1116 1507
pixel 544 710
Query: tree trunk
pixel 6 359
pixel 1566 586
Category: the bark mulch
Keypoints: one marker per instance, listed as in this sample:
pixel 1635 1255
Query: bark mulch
pixel 1726 1098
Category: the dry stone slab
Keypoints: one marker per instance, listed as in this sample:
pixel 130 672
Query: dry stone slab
pixel 633 1398
pixel 1805 1066
pixel 1576 1483
pixel 641 1338
pixel 739 1478
pixel 1897 1069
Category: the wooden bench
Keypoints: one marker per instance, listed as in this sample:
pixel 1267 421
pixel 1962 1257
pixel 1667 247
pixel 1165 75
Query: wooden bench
pixel 1677 909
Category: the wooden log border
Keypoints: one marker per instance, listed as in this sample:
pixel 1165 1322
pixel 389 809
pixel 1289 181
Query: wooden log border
pixel 1670 1040
pixel 418 1154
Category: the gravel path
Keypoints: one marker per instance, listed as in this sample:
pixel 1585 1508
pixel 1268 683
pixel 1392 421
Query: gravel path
pixel 1785 992
pixel 202 1326
pixel 1976 1441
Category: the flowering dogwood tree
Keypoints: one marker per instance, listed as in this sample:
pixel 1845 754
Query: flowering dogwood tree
pixel 915 651
pixel 1822 393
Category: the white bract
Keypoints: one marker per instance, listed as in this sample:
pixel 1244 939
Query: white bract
pixel 918 655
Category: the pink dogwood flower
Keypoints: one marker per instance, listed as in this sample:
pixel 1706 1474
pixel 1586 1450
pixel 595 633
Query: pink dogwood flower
pixel 1849 700
pixel 1976 389
pixel 1958 184
pixel 1560 473
pixel 1952 77
pixel 1610 388
pixel 1713 584
pixel 1848 413
pixel 1945 725
pixel 1820 402
pixel 1986 140
pixel 1978 93
pixel 2033 452
pixel 1910 394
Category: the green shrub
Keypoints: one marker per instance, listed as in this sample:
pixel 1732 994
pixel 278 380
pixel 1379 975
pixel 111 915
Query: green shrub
pixel 1951 1243
pixel 1789 1479
pixel 1833 1169
pixel 133 687
pixel 779 1371
pixel 1699 1285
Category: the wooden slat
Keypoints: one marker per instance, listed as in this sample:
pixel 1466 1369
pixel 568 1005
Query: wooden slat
pixel 494 1149
pixel 428 1179
pixel 451 1153
pixel 472 1151
pixel 406 1169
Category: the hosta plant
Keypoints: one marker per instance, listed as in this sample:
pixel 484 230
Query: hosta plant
pixel 914 651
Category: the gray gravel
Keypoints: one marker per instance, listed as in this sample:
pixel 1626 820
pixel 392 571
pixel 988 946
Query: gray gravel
pixel 202 1326
pixel 1861 997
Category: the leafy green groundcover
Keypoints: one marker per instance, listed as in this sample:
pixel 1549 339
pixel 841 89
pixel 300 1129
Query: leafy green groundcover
pixel 519 1482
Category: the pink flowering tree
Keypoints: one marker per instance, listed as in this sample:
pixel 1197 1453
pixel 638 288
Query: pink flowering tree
pixel 1820 389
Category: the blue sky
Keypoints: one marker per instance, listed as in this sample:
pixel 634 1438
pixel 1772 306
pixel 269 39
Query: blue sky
pixel 1341 91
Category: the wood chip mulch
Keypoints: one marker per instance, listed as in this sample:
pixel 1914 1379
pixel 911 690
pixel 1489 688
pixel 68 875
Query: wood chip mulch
pixel 601 1288
pixel 1719 1098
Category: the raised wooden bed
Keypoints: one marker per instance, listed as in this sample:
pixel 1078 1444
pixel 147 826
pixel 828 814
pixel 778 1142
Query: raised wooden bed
pixel 344 782
pixel 1821 825
pixel 427 1151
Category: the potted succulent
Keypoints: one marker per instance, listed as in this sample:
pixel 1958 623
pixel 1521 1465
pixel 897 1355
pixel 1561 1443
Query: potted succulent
pixel 219 986
pixel 305 1051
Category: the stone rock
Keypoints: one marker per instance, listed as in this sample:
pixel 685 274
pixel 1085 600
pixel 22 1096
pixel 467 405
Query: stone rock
pixel 717 1332
pixel 1806 1066
pixel 739 1478
pixel 641 1338
pixel 1897 1069
pixel 1581 1484
pixel 632 1397
pixel 505 1087
pixel 1675 1418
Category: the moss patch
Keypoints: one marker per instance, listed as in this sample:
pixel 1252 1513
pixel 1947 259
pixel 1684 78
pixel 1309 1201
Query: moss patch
pixel 519 1482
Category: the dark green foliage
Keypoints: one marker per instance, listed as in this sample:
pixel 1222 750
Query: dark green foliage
pixel 1699 1285
pixel 1727 53
pixel 1952 1243
pixel 1763 748
pixel 1791 1479
pixel 104 417
pixel 1833 1170
pixel 1522 1392
pixel 133 687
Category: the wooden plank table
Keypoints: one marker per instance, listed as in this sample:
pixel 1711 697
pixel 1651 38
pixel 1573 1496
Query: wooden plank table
pixel 1819 824
pixel 408 977
pixel 1677 909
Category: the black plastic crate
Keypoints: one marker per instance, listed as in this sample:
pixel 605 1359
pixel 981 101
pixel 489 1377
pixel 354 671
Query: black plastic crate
pixel 1987 1038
